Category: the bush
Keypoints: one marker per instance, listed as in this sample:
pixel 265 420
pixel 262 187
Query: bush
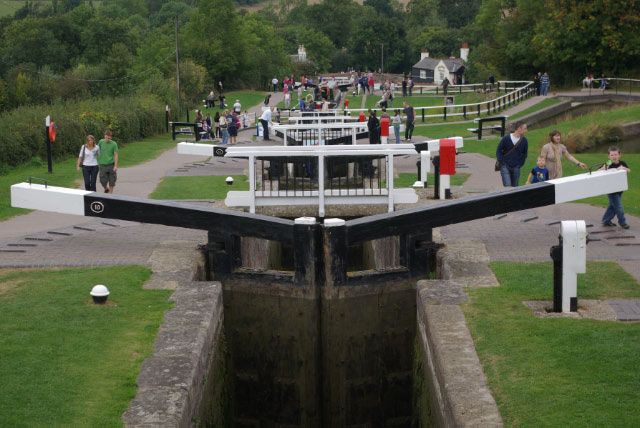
pixel 594 135
pixel 22 130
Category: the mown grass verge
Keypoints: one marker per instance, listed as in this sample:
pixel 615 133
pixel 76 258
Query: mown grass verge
pixel 198 187
pixel 66 361
pixel 556 371
pixel 65 174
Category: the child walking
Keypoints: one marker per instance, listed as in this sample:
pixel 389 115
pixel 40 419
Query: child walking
pixel 539 173
pixel 615 199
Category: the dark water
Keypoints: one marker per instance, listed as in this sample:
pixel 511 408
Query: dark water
pixel 630 145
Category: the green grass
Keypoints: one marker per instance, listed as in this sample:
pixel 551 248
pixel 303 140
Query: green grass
pixel 66 361
pixel 65 174
pixel 406 179
pixel 198 187
pixel 547 102
pixel 9 7
pixel 557 371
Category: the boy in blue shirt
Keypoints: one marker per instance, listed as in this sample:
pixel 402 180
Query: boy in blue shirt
pixel 540 172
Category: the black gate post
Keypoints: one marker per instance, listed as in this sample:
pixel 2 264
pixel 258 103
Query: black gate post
pixel 223 254
pixel 556 256
pixel 334 248
pixel 436 175
pixel 306 254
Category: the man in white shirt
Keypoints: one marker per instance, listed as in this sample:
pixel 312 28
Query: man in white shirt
pixel 274 82
pixel 264 120
pixel 237 107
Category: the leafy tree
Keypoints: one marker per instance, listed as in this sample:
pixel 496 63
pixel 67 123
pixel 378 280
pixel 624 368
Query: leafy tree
pixel 318 46
pixel 100 34
pixel 170 11
pixel 458 13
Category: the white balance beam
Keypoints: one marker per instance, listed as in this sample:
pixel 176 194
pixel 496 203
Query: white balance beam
pixel 48 198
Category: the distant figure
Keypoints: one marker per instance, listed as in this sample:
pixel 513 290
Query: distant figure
pixel 274 82
pixel 221 98
pixel 603 82
pixel 404 86
pixel 245 119
pixel 587 82
pixel 411 85
pixel 224 131
pixel 264 120
pixel 287 100
pixel 237 107
pixel 211 100
pixel 544 84
pixel 411 119
pixel 267 99
pixel 539 173
pixel 220 86
pixel 536 83
pixel 373 125
pixel 397 121
pixel 445 85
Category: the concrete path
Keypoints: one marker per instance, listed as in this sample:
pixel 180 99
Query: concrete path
pixel 529 102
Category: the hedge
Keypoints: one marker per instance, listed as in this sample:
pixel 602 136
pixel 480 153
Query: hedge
pixel 130 119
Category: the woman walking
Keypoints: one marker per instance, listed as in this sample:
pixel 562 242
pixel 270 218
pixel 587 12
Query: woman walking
pixel 88 160
pixel 553 152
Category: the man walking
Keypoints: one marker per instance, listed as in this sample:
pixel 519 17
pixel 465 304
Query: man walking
pixel 411 119
pixel 108 162
pixel 264 120
pixel 512 153
pixel 274 83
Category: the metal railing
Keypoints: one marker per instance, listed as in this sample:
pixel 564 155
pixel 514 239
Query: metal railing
pixel 474 109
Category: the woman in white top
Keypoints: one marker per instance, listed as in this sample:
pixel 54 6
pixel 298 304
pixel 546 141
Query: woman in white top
pixel 88 159
pixel 397 120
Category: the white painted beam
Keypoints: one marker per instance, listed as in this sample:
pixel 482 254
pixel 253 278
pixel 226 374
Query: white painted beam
pixel 195 149
pixel 49 198
pixel 586 185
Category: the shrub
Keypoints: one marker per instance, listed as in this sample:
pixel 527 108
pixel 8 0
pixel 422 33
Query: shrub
pixel 594 135
pixel 22 130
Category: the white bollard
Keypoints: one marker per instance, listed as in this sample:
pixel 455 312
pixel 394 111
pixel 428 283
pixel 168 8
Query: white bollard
pixel 445 184
pixel 574 259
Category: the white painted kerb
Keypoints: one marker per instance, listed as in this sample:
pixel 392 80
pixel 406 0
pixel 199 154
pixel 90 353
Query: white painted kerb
pixel 50 198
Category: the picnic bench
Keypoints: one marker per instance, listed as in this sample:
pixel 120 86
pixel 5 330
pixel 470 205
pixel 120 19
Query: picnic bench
pixel 481 125
pixel 186 128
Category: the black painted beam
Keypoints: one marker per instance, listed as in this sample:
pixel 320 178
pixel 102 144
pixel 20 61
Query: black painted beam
pixel 222 221
pixel 416 220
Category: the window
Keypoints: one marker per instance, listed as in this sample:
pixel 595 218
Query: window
pixel 423 74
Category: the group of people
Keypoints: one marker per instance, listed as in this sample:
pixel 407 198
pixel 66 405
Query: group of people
pixel 588 81
pixel 541 83
pixel 99 161
pixel 511 155
pixel 210 101
pixel 373 123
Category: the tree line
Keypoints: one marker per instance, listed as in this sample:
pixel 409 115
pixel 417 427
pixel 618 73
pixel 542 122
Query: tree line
pixel 77 49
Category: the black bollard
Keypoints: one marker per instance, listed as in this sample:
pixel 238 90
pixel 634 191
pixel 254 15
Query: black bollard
pixel 556 256
pixel 436 174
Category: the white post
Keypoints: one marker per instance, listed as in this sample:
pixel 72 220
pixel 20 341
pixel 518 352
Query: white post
pixel 444 184
pixel 354 134
pixel 574 259
pixel 390 180
pixel 425 165
pixel 384 139
pixel 252 184
pixel 321 185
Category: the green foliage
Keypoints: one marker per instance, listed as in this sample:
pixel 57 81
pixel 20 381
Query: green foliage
pixel 66 361
pixel 22 130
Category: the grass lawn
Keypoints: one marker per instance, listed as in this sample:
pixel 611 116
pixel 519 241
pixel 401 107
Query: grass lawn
pixel 557 371
pixel 66 361
pixel 65 174
pixel 406 179
pixel 9 7
pixel 198 187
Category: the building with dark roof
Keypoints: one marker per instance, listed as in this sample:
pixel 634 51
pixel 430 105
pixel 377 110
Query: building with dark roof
pixel 434 70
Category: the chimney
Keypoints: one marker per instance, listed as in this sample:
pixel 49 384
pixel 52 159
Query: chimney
pixel 464 51
pixel 424 54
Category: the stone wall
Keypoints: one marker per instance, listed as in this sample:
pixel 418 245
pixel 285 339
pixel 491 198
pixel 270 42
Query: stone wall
pixel 453 383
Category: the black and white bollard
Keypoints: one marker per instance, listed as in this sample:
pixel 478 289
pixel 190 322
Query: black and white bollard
pixel 569 259
pixel 424 167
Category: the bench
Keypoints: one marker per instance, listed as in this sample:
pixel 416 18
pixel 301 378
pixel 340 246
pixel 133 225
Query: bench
pixel 186 128
pixel 481 125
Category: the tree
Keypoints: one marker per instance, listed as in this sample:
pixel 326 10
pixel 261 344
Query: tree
pixel 318 46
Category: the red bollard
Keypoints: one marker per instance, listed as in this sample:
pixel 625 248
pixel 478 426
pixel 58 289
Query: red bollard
pixel 361 118
pixel 384 130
